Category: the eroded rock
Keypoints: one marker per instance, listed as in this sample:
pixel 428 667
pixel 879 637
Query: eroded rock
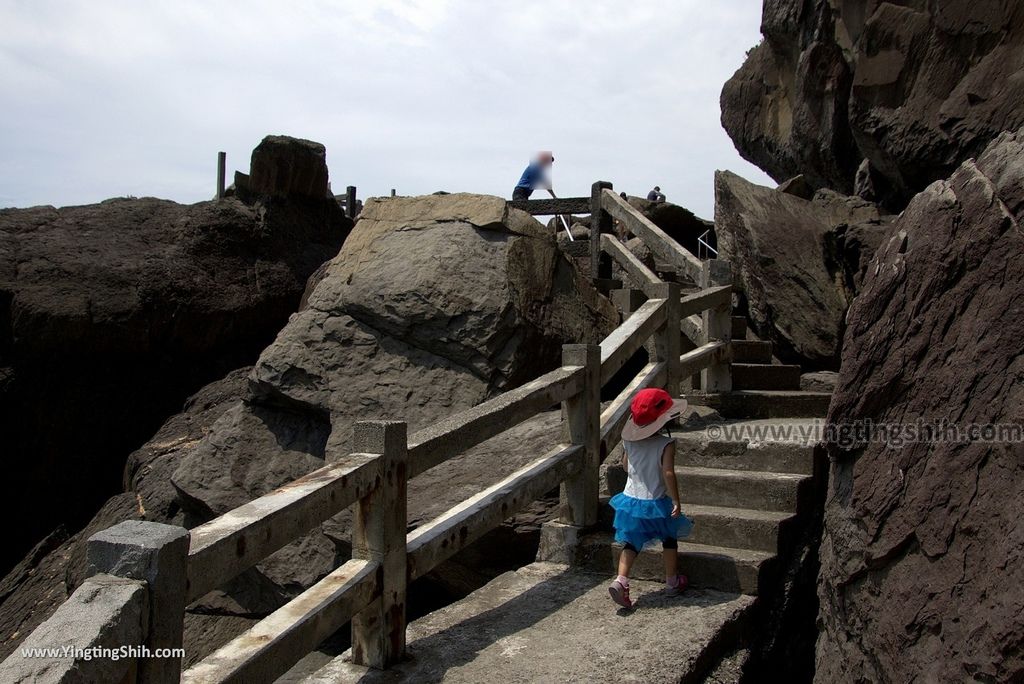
pixel 920 556
pixel 903 91
pixel 797 262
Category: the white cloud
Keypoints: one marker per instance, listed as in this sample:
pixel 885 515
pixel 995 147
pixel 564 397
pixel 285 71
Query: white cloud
pixel 117 97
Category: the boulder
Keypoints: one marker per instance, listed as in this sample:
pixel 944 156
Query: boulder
pixel 287 167
pixel 920 557
pixel 681 224
pixel 797 262
pixel 112 314
pixel 434 304
pixel 903 92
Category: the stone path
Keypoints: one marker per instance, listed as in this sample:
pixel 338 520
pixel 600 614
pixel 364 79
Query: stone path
pixel 545 623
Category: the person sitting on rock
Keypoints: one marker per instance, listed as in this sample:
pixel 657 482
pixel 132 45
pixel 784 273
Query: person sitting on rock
pixel 655 195
pixel 648 509
pixel 535 176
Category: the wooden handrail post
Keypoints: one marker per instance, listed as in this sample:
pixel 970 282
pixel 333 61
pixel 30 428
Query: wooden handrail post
pixel 158 555
pixel 717 326
pixel 378 632
pixel 600 222
pixel 579 499
pixel 668 341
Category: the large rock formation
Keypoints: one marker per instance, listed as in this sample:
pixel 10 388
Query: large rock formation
pixel 681 224
pixel 902 92
pixel 434 304
pixel 798 263
pixel 920 560
pixel 112 314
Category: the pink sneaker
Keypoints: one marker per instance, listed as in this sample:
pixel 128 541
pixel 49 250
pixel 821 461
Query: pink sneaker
pixel 620 594
pixel 681 583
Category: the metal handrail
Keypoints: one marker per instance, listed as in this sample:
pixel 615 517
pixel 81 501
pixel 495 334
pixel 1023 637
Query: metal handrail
pixel 704 247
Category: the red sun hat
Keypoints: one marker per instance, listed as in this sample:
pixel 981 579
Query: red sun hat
pixel 650 410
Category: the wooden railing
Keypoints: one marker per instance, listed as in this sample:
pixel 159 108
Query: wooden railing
pixel 370 589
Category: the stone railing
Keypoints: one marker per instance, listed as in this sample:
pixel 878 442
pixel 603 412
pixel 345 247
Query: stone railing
pixel 147 572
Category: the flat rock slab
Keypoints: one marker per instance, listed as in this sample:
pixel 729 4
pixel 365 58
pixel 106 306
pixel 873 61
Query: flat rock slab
pixel 546 623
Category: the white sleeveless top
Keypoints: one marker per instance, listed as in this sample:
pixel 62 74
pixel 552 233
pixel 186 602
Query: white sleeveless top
pixel 644 461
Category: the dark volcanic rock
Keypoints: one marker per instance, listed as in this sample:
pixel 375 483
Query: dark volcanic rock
pixel 797 262
pixel 681 224
pixel 112 314
pixel 921 556
pixel 54 569
pixel 288 167
pixel 913 89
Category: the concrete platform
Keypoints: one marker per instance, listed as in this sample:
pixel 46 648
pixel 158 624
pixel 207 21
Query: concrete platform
pixel 545 623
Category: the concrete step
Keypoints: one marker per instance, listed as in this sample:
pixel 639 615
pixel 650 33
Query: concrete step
pixel 765 376
pixel 736 528
pixel 545 623
pixel 748 445
pixel 739 327
pixel 750 489
pixel 707 567
pixel 751 351
pixel 765 403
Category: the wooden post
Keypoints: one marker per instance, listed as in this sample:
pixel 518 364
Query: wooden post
pixel 378 632
pixel 668 341
pixel 222 158
pixel 579 498
pixel 350 201
pixel 158 555
pixel 600 222
pixel 717 326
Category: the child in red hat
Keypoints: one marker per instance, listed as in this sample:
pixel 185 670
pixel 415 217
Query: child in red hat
pixel 648 509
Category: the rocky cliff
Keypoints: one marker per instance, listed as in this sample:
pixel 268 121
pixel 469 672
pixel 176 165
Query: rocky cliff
pixel 876 97
pixel 112 314
pixel 920 559
pixel 433 304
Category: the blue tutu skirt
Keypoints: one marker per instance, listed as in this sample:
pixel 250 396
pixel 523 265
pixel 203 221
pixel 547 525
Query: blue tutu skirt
pixel 641 521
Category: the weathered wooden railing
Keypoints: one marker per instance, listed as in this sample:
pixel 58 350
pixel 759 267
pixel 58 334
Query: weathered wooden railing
pixel 174 567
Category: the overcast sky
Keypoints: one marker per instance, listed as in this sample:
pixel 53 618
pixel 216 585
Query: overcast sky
pixel 105 98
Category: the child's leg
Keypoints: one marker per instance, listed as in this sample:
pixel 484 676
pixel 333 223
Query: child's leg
pixel 670 548
pixel 626 559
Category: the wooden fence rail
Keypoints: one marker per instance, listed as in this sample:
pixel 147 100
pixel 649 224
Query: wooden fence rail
pixel 370 590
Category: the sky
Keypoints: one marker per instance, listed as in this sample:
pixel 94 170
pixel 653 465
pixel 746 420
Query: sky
pixel 108 98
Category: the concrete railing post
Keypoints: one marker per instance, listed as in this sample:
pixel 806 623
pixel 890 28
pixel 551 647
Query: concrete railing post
pixel 600 222
pixel 717 325
pixel 378 632
pixel 668 341
pixel 579 498
pixel 350 201
pixel 158 555
pixel 627 300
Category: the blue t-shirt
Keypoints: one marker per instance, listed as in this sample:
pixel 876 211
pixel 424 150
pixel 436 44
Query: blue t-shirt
pixel 533 177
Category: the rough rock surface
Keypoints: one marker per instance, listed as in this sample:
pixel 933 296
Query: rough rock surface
pixel 921 555
pixel 681 224
pixel 112 314
pixel 287 167
pixel 797 262
pixel 482 299
pixel 912 88
pixel 434 304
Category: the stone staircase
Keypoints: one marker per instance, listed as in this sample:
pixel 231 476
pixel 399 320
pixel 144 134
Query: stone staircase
pixel 742 493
